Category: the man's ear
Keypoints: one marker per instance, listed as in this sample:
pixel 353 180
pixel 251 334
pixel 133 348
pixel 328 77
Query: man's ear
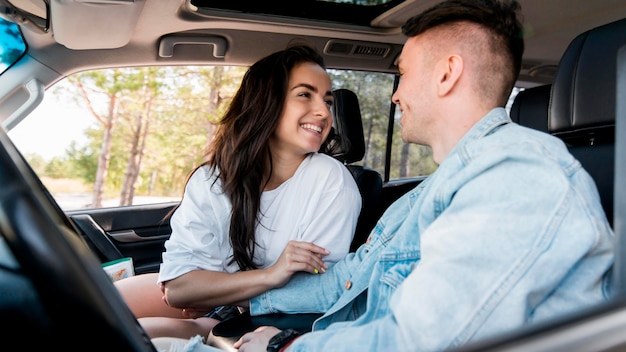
pixel 449 73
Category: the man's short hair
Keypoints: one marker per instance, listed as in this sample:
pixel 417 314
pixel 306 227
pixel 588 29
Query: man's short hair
pixel 502 18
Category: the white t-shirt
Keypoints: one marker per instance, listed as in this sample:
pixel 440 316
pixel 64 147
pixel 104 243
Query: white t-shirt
pixel 320 203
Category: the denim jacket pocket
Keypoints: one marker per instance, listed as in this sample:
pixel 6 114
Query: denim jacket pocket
pixel 395 272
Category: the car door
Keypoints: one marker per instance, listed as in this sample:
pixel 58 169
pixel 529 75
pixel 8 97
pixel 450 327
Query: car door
pixel 136 232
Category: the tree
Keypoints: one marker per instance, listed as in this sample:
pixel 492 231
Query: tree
pixel 138 115
pixel 188 107
pixel 373 90
pixel 101 86
pixel 149 108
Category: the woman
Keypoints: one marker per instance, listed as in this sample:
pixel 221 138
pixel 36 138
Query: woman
pixel 264 205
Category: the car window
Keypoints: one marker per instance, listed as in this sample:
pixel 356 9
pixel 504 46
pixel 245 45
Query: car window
pixel 374 90
pixel 130 136
pixel 127 136
pixel 12 45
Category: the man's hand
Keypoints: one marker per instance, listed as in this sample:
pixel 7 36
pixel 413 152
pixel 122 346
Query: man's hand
pixel 256 340
pixel 193 313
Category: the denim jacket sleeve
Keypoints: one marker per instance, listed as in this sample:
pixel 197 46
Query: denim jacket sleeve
pixel 307 293
pixel 379 335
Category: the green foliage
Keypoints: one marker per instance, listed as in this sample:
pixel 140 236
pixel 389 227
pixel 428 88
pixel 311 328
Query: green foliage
pixel 374 91
pixel 84 159
pixel 185 104
pixel 36 162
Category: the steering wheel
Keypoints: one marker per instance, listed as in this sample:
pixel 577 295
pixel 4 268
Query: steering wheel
pixel 56 293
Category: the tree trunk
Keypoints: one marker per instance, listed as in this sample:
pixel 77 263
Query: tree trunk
pixel 138 144
pixel 105 154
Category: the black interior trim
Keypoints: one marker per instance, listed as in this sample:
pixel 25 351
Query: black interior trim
pixel 73 290
pixel 341 12
pixel 228 332
pixel 619 199
pixel 97 237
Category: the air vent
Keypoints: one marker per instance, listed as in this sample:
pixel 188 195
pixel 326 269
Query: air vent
pixel 370 50
pixel 357 49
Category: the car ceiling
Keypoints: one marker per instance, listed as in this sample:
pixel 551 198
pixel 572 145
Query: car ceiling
pixel 141 27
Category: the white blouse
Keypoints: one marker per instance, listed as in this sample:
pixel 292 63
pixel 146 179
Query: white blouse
pixel 320 203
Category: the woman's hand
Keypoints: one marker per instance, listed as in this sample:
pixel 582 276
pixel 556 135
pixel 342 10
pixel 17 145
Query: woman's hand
pixel 297 256
pixel 193 313
pixel 198 290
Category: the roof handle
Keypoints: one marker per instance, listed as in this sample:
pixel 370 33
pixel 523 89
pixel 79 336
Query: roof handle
pixel 24 99
pixel 167 44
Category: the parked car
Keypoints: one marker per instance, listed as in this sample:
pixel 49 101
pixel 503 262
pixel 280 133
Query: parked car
pixel 73 199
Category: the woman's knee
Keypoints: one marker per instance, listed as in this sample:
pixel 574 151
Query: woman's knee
pixel 144 297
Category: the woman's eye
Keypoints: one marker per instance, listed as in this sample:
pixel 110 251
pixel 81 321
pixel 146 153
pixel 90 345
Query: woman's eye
pixel 329 102
pixel 305 94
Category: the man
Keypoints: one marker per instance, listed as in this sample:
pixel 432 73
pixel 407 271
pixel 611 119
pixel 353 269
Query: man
pixel 508 231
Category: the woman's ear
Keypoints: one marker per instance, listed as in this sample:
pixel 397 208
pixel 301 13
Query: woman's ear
pixel 450 71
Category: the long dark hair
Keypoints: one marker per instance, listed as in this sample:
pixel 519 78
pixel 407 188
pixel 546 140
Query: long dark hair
pixel 240 148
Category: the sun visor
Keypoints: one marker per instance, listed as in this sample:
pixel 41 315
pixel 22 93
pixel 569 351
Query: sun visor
pixel 86 24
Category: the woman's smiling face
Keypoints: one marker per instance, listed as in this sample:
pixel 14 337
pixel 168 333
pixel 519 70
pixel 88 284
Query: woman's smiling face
pixel 306 118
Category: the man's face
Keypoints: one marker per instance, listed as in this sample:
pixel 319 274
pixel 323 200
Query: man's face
pixel 414 95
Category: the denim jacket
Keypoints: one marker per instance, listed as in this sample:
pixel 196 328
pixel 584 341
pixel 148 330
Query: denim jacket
pixel 508 231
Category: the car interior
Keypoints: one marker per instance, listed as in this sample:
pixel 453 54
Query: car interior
pixel 351 149
pixel 572 85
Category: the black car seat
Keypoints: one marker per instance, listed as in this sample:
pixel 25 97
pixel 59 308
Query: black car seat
pixel 530 107
pixel 348 146
pixel 582 103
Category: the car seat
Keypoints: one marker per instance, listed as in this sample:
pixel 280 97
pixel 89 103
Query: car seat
pixel 530 107
pixel 348 146
pixel 583 100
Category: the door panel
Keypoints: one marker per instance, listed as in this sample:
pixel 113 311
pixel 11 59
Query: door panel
pixel 137 231
pixel 140 231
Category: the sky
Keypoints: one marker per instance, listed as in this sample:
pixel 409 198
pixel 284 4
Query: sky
pixel 51 127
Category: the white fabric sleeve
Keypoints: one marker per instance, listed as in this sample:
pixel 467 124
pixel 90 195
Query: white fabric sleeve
pixel 332 214
pixel 198 239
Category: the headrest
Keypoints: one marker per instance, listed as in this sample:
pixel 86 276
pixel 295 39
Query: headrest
pixel 530 108
pixel 348 143
pixel 583 93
